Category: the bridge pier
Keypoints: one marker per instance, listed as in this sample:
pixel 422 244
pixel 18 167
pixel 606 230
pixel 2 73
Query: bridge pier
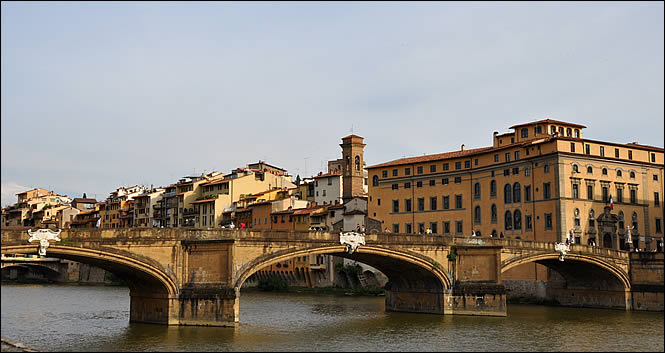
pixel 425 302
pixel 152 309
pixel 194 307
pixel 208 307
pixel 482 299
pixel 477 289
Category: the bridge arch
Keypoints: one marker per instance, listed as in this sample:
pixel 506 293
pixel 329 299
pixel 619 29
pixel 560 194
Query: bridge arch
pixel 141 274
pixel 580 280
pixel 376 257
pixel 549 258
pixel 47 271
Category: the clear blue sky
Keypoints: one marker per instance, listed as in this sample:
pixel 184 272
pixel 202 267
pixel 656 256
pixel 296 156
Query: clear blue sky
pixel 100 95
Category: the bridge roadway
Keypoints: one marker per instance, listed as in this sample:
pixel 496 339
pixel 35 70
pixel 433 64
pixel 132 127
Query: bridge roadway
pixel 184 276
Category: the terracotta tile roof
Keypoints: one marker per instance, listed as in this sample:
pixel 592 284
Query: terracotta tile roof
pixel 215 182
pixel 352 212
pixel 333 173
pixel 82 200
pixel 269 191
pixel 317 209
pixel 549 121
pixel 352 135
pixel 433 157
pixel 261 203
pixel 336 207
pixel 282 212
pixel 646 146
pixel 204 201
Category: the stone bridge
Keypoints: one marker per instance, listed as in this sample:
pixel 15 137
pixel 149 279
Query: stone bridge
pixel 193 276
pixel 37 268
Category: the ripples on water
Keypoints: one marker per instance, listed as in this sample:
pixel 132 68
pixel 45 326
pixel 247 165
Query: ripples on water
pixel 78 318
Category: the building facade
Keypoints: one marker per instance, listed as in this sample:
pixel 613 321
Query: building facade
pixel 542 181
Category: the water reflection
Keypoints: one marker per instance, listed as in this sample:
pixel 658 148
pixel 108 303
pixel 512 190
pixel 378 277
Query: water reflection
pixel 71 318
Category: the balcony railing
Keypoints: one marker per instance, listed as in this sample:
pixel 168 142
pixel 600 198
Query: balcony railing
pixel 317 266
pixel 187 212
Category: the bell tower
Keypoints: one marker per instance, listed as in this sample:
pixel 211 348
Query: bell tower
pixel 353 166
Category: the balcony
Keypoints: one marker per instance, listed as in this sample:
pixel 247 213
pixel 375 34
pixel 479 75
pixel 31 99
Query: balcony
pixel 318 267
pixel 189 211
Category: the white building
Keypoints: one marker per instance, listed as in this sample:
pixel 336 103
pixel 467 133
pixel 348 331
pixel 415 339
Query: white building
pixel 328 188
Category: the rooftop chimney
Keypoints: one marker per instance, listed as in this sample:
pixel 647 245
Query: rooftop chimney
pixel 462 147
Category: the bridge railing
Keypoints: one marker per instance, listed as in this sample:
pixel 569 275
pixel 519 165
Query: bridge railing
pixel 541 245
pixel 21 236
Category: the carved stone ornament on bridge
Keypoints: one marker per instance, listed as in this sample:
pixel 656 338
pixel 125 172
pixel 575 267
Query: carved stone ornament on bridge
pixel 43 235
pixel 352 240
pixel 563 249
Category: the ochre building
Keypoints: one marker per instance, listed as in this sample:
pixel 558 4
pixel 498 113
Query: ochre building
pixel 542 181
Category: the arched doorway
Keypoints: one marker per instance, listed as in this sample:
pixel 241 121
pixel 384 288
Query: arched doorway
pixel 607 241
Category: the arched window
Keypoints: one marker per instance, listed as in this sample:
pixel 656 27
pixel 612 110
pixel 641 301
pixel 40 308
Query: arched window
pixel 576 221
pixel 493 188
pixel 569 132
pixel 494 215
pixel 621 222
pixel 494 233
pixel 517 193
pixel 518 219
pixel 577 133
pixel 507 193
pixel 592 219
pixel 476 190
pixel 632 175
pixel 619 173
pixel 375 180
pixel 508 221
pixel 476 215
pixel 589 170
pixel 357 163
pixel 634 231
pixel 575 168
pixel 604 171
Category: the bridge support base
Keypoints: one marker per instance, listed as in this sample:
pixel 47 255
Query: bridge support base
pixel 217 307
pixel 208 307
pixel 414 302
pixel 476 299
pixel 465 299
pixel 150 308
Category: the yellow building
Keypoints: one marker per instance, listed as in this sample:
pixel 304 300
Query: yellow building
pixel 541 182
pixel 202 202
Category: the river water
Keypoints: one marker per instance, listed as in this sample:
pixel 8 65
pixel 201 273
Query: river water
pixel 90 318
